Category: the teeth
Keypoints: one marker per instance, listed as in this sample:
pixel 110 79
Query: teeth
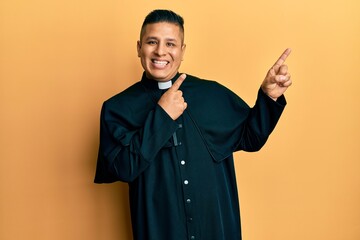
pixel 160 62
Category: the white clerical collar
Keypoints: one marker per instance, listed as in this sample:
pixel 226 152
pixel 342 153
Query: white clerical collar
pixel 164 85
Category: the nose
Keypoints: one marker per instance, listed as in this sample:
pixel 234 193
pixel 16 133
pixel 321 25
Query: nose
pixel 160 49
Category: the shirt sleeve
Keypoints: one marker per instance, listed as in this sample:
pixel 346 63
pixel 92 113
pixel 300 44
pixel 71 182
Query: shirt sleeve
pixel 227 124
pixel 129 145
pixel 260 122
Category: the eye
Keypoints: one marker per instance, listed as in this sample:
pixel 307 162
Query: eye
pixel 152 42
pixel 170 44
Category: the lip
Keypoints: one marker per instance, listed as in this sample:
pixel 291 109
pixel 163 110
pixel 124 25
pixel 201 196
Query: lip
pixel 154 60
pixel 159 63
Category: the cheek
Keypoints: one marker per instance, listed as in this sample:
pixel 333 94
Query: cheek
pixel 144 52
pixel 177 56
pixel 144 57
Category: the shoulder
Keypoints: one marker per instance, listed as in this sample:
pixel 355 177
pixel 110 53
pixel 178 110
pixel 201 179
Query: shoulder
pixel 204 87
pixel 129 107
pixel 128 94
pixel 134 99
pixel 192 82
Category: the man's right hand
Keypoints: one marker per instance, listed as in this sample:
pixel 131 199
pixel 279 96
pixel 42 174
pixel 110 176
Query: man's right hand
pixel 172 100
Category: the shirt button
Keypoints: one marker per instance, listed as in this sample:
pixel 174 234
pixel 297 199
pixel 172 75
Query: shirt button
pixel 180 143
pixel 192 237
pixel 182 162
pixel 188 200
pixel 186 182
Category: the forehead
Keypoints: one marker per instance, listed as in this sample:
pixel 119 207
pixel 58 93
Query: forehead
pixel 162 30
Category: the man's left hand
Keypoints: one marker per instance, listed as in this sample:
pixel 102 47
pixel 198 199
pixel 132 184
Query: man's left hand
pixel 278 78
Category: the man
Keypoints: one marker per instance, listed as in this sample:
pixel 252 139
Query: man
pixel 172 136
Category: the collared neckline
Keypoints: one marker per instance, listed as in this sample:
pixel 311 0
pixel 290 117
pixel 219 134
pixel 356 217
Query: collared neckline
pixel 156 85
pixel 164 85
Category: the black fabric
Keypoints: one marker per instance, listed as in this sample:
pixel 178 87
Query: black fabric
pixel 181 173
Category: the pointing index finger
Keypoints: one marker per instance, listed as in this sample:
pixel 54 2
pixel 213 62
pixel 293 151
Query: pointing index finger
pixel 178 82
pixel 283 57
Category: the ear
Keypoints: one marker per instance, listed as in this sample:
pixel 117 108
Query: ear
pixel 138 46
pixel 183 48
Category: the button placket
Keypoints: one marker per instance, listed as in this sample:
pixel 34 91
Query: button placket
pixel 186 182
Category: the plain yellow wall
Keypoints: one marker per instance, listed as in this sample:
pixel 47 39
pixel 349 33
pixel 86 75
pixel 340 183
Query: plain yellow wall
pixel 59 60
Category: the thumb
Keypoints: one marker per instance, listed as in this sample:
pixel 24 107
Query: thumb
pixel 178 82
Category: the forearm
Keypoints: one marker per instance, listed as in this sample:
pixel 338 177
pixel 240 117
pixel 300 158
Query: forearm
pixel 131 152
pixel 261 121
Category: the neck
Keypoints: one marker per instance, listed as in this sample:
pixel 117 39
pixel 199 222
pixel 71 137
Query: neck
pixel 164 85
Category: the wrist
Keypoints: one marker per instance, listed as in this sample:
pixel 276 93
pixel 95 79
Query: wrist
pixel 267 94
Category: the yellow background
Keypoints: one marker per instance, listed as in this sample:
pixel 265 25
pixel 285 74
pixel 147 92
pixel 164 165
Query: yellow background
pixel 59 60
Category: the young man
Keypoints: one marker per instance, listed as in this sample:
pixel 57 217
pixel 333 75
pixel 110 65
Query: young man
pixel 172 136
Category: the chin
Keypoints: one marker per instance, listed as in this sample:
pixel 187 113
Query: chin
pixel 160 77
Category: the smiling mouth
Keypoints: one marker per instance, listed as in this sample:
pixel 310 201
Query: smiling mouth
pixel 159 63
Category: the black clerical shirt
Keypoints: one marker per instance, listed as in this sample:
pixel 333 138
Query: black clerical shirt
pixel 181 173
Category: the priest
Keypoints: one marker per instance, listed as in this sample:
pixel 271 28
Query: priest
pixel 171 136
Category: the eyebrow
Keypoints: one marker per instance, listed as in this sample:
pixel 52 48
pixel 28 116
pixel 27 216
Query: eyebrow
pixel 167 39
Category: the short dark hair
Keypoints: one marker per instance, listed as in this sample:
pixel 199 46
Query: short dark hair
pixel 162 15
